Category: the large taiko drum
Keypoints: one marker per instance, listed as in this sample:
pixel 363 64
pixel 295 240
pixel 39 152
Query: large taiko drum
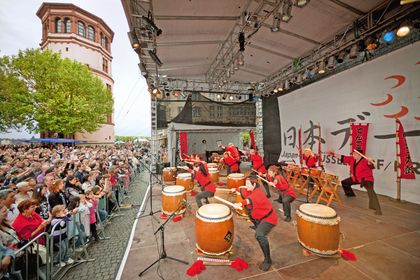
pixel 185 179
pixel 235 180
pixel 172 197
pixel 169 174
pixel 239 199
pixel 214 175
pixel 212 165
pixel 214 229
pixel 318 229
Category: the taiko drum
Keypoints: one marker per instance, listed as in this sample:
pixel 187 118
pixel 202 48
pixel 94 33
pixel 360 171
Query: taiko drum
pixel 214 229
pixel 214 175
pixel 169 174
pixel 212 165
pixel 172 197
pixel 239 200
pixel 318 229
pixel 235 180
pixel 185 179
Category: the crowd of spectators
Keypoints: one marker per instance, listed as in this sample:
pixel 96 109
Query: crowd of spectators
pixel 42 188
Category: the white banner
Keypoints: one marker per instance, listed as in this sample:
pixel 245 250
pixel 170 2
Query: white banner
pixel 376 93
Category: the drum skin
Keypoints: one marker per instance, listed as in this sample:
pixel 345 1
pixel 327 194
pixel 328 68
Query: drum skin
pixel 235 180
pixel 169 174
pixel 318 232
pixel 214 235
pixel 172 197
pixel 214 175
pixel 185 180
pixel 212 165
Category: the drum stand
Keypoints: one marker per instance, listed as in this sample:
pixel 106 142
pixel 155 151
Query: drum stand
pixel 163 254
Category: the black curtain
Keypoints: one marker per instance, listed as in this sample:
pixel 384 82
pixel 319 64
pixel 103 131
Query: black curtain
pixel 271 129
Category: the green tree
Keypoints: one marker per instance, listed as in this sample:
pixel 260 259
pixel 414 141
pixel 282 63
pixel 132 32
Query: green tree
pixel 43 92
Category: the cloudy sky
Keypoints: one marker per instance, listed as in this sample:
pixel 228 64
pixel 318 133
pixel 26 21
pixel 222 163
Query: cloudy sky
pixel 21 29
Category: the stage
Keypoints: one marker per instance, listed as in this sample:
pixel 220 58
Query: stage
pixel 387 246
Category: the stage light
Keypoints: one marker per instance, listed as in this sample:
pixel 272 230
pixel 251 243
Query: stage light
pixel 301 3
pixel 371 43
pixel 389 36
pixel 176 93
pixel 155 91
pixel 341 56
pixel 149 24
pixel 353 52
pixel 331 63
pixel 133 39
pixel 286 11
pixel 167 93
pixel 275 90
pixel 218 96
pixel 276 23
pixel 231 97
pixel 321 67
pixel 239 97
pixel 280 86
pixel 241 61
pixel 404 29
pixel 286 85
pixel 299 78
pixel 224 97
pixel 155 58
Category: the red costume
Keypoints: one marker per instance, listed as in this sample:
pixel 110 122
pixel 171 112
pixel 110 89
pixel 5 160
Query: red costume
pixel 282 185
pixel 204 180
pixel 234 152
pixel 359 170
pixel 310 161
pixel 259 205
pixel 258 163
pixel 232 163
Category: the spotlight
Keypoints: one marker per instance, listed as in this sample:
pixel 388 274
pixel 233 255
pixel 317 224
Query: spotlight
pixel 241 61
pixel 231 97
pixel 167 93
pixel 341 56
pixel 404 29
pixel 389 36
pixel 280 86
pixel 155 58
pixel 371 43
pixel 331 63
pixel 276 23
pixel 149 24
pixel 353 52
pixel 286 11
pixel 176 93
pixel 275 90
pixel 224 97
pixel 301 3
pixel 218 96
pixel 133 39
pixel 321 67
pixel 239 97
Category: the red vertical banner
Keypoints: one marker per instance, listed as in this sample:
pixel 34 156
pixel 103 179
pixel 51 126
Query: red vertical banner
pixel 359 133
pixel 406 164
pixel 300 146
pixel 252 139
pixel 183 144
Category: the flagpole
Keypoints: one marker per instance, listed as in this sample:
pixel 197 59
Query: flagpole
pixel 398 163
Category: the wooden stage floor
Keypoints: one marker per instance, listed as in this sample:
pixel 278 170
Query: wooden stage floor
pixel 387 246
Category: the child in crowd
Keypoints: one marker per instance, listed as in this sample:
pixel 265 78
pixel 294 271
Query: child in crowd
pixel 84 211
pixel 91 199
pixel 59 233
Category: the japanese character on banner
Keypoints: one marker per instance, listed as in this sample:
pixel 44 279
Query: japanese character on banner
pixel 406 164
pixel 359 133
pixel 183 144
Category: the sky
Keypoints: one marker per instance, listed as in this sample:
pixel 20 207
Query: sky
pixel 21 29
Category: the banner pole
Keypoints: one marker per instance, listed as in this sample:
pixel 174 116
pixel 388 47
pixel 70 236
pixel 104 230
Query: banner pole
pixel 398 167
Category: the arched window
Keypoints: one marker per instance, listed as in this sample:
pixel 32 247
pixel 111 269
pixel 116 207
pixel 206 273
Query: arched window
pixel 67 25
pixel 91 33
pixel 81 28
pixel 58 28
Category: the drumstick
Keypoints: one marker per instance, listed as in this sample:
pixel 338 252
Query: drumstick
pixel 263 179
pixel 223 190
pixel 226 202
pixel 363 156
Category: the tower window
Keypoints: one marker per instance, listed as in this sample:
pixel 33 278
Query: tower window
pixel 58 28
pixel 91 33
pixel 81 28
pixel 67 25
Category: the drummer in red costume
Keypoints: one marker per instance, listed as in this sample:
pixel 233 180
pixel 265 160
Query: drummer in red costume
pixel 262 215
pixel 231 162
pixel 200 172
pixel 361 173
pixel 235 157
pixel 258 165
pixel 286 194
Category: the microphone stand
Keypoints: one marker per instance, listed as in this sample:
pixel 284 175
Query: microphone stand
pixel 151 213
pixel 163 254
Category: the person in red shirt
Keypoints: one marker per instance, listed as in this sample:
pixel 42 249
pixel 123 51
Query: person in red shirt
pixel 286 194
pixel 232 164
pixel 201 174
pixel 258 165
pixel 234 155
pixel 361 173
pixel 310 158
pixel 262 215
